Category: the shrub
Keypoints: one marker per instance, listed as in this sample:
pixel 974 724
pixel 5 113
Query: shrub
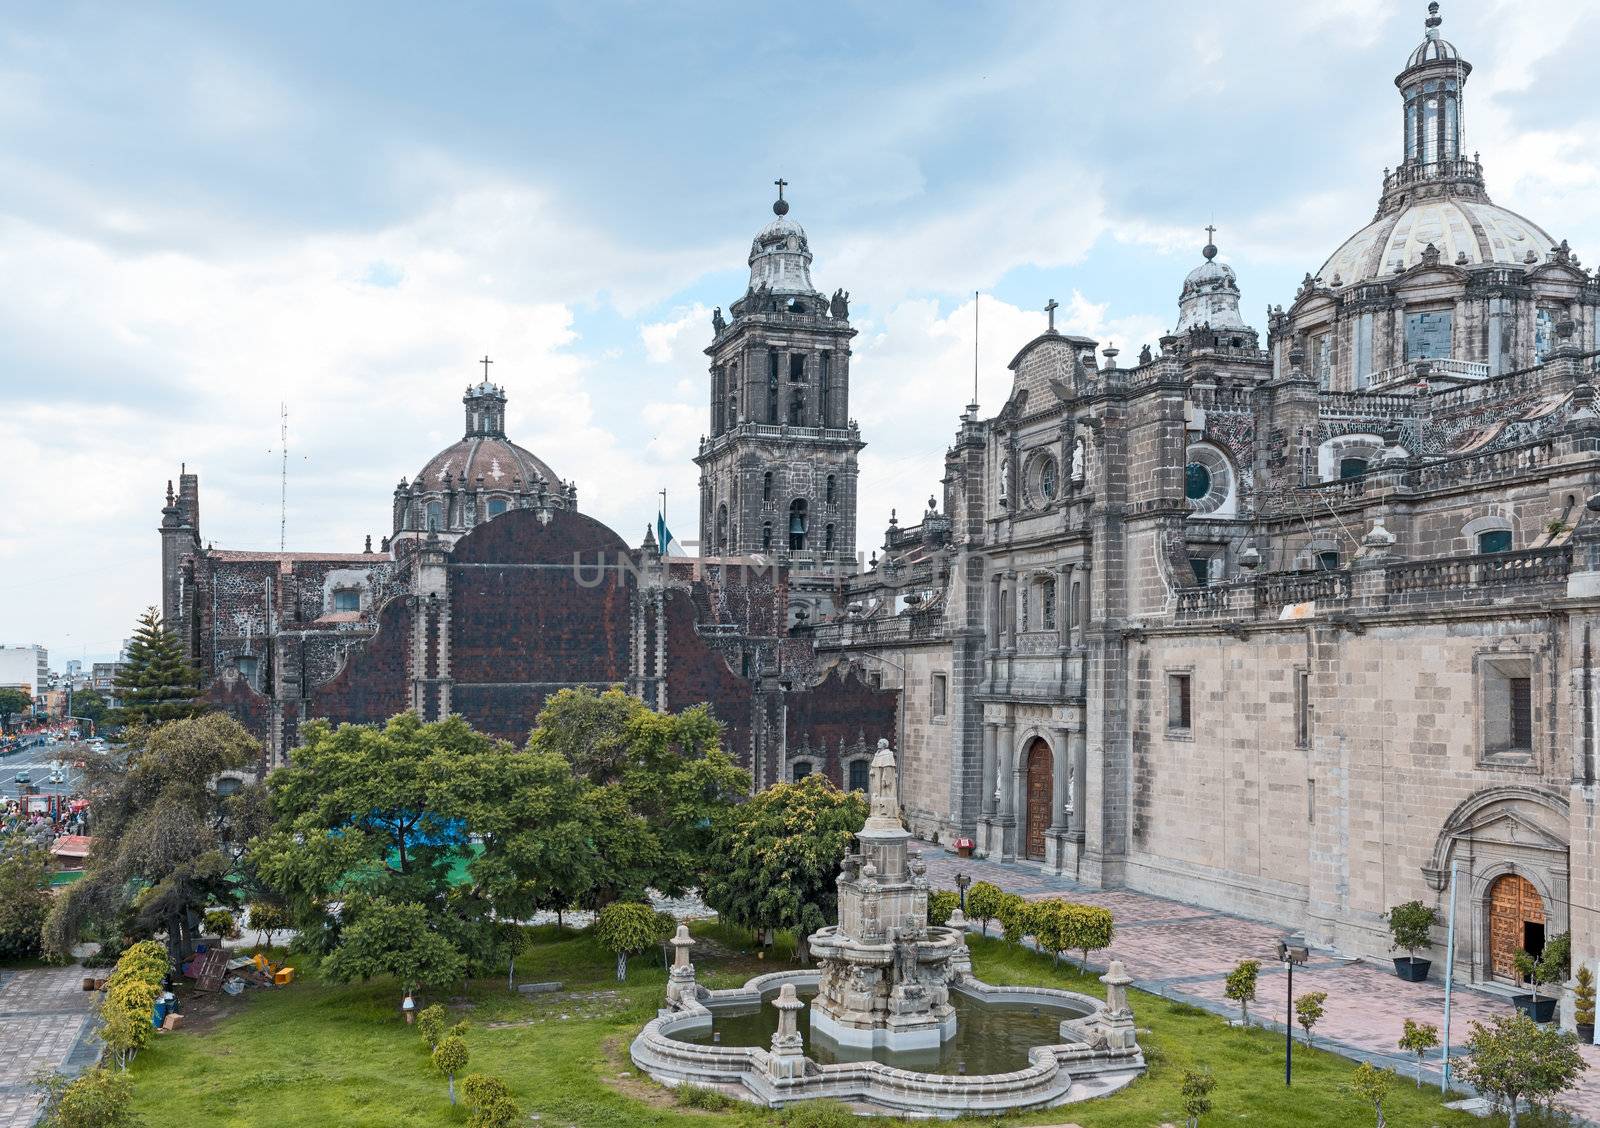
pixel 481 1088
pixel 97 1098
pixel 704 1097
pixel 1088 928
pixel 430 1024
pixel 1411 927
pixel 450 1058
pixel 221 922
pixel 1371 1084
pixel 129 1006
pixel 983 903
pixel 1308 1010
pixel 490 1102
pixel 1583 997
pixel 824 1113
pixel 942 904
pixel 1016 917
pixel 1196 1091
pixel 24 896
pixel 1241 986
pixel 1418 1039
pixel 626 928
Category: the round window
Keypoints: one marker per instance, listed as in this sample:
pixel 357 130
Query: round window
pixel 1196 482
pixel 1047 479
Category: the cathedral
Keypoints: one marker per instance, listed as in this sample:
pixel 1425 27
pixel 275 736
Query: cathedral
pixel 494 591
pixel 1300 627
pixel 1297 621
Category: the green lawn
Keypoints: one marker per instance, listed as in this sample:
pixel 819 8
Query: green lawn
pixel 315 1055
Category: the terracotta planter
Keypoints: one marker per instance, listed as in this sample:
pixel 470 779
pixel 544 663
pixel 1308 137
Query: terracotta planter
pixel 1412 970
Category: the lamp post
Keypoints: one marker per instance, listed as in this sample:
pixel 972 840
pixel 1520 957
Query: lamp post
pixel 962 881
pixel 1292 950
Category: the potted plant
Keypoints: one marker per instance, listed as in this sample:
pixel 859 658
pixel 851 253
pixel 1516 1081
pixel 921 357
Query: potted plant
pixel 1535 973
pixel 1583 1005
pixel 1411 930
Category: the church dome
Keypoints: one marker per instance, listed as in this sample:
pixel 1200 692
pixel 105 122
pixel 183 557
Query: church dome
pixel 780 257
pixel 1466 232
pixel 501 463
pixel 1210 296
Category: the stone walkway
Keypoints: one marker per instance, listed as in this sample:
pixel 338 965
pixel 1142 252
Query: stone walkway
pixel 48 1022
pixel 1183 952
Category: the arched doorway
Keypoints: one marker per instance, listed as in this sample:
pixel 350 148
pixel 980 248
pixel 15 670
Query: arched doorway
pixel 1040 785
pixel 1516 923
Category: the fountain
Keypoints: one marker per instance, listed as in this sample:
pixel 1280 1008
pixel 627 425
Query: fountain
pixel 896 1021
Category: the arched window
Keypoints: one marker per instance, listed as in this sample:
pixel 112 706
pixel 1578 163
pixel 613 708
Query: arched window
pixel 797 525
pixel 1494 540
pixel 766 536
pixel 801 769
pixel 827 539
pixel 722 528
pixel 435 516
pixel 859 770
pixel 766 486
pixel 497 506
pixel 830 489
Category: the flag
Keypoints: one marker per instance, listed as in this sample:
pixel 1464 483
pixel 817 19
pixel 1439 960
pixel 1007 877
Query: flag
pixel 667 544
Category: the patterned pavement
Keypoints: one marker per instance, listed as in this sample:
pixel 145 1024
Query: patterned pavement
pixel 48 1022
pixel 1183 952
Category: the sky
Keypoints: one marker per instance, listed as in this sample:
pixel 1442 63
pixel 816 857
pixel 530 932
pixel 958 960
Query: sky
pixel 209 211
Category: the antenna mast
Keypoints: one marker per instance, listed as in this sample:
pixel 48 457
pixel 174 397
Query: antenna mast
pixel 283 476
pixel 974 352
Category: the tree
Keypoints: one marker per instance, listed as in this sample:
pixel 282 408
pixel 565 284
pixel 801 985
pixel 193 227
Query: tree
pixel 1583 1001
pixel 449 1058
pixel 166 844
pixel 1417 1039
pixel 156 684
pixel 513 941
pixel 1016 918
pixel 1308 1010
pixel 1513 1057
pixel 430 1024
pixel 1196 1092
pixel 1372 1085
pixel 14 700
pixel 267 917
pixel 1411 927
pixel 89 705
pixel 129 1005
pixel 983 904
pixel 1241 986
pixel 96 1098
pixel 395 938
pixel 779 855
pixel 626 928
pixel 1087 928
pixel 24 894
pixel 223 923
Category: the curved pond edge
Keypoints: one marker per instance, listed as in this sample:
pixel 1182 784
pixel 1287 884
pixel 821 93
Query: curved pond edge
pixel 1097 1056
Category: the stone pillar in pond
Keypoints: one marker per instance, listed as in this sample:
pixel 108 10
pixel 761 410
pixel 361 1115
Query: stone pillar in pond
pixel 1114 1025
pixel 680 980
pixel 787 1059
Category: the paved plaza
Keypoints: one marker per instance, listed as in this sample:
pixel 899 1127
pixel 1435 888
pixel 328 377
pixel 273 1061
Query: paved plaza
pixel 1183 952
pixel 48 1022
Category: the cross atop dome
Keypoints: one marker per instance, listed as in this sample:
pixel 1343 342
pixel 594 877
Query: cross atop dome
pixel 780 206
pixel 1210 249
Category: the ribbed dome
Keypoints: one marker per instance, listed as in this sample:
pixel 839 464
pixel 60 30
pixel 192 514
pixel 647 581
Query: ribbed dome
pixel 1210 296
pixel 780 258
pixel 501 463
pixel 1466 232
pixel 1433 50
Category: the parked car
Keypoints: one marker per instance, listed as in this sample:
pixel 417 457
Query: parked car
pixel 23 777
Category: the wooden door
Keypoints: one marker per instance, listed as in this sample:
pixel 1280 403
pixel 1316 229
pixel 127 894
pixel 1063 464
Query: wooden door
pixel 1041 783
pixel 1513 904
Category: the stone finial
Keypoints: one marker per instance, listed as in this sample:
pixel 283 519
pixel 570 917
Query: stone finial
pixel 788 1052
pixel 681 943
pixel 1250 557
pixel 1378 536
pixel 1116 980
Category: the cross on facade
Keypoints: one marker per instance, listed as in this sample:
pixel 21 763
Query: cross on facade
pixel 1050 308
pixel 782 184
pixel 486 362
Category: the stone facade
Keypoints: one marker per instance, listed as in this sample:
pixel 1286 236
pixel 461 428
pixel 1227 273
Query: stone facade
pixel 1293 630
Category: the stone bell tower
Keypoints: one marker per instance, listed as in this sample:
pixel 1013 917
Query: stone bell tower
pixel 778 463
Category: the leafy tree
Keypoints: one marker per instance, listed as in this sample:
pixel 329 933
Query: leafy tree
pixel 223 923
pixel 1411 927
pixel 1372 1085
pixel 1583 997
pixel 513 941
pixel 156 684
pixel 669 769
pixel 626 928
pixel 14 700
pixel 983 903
pixel 1308 1011
pixel 1016 918
pixel 88 704
pixel 942 904
pixel 393 938
pixel 96 1098
pixel 267 917
pixel 1087 928
pixel 778 857
pixel 1513 1057
pixel 1241 986
pixel 430 1024
pixel 450 1058
pixel 1050 929
pixel 129 1005
pixel 166 844
pixel 24 894
pixel 1417 1039
pixel 1196 1092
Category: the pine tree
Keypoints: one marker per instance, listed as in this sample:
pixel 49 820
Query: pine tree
pixel 156 684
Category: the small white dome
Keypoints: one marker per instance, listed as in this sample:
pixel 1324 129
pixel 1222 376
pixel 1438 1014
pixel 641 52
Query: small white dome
pixel 1210 296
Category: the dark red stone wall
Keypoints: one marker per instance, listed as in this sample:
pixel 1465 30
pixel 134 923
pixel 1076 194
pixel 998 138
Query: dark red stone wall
pixel 697 674
pixel 841 713
pixel 373 684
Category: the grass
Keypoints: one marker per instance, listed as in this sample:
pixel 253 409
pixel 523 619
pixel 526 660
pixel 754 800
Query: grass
pixel 316 1054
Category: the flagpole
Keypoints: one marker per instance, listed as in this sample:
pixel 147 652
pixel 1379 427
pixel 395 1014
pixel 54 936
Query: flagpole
pixel 662 547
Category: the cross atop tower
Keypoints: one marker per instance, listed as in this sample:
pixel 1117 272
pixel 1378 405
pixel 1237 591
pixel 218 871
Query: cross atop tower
pixel 781 206
pixel 1211 233
pixel 486 362
pixel 1050 308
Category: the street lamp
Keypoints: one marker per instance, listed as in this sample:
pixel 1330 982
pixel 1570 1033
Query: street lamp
pixel 1292 950
pixel 962 881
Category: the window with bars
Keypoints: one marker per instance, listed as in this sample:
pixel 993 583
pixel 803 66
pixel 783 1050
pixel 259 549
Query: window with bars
pixel 1047 604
